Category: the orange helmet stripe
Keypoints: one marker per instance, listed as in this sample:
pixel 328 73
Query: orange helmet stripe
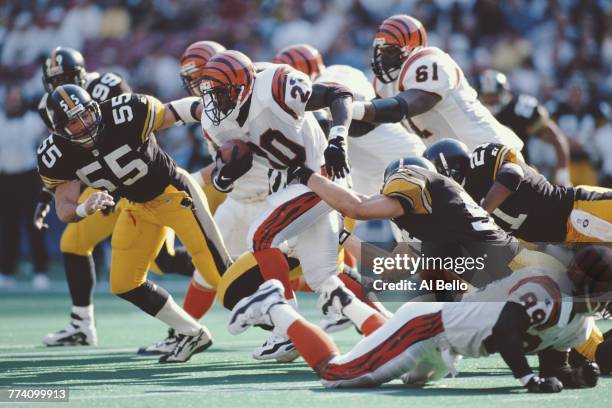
pixel 230 68
pixel 302 57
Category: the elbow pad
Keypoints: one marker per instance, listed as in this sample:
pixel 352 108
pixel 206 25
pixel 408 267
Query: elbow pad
pixel 184 110
pixel 336 91
pixel 389 110
pixel 510 175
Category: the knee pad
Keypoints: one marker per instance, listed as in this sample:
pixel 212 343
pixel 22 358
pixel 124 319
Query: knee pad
pixel 240 280
pixel 148 296
pixel 71 244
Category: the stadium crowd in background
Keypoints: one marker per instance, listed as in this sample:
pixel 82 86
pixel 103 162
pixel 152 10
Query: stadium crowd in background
pixel 557 50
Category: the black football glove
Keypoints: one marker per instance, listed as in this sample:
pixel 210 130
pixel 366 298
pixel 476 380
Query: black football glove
pixel 336 163
pixel 226 172
pixel 544 385
pixel 42 209
pixel 299 173
pixel 583 376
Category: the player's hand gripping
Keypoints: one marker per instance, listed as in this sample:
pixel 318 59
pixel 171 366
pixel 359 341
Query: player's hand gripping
pixel 95 202
pixel 42 209
pixel 226 172
pixel 544 385
pixel 336 162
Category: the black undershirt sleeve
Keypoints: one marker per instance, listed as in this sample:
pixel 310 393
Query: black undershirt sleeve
pixel 510 175
pixel 507 338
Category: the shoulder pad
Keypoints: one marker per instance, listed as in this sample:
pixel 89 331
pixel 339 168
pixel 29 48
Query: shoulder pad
pixel 411 189
pixel 291 90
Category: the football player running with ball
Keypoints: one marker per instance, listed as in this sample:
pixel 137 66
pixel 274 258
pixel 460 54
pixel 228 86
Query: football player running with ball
pixel 110 146
pixel 270 111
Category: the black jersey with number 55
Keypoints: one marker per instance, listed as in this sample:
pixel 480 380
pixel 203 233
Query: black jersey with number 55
pixel 536 212
pixel 127 160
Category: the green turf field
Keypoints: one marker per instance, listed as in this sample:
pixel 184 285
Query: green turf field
pixel 112 375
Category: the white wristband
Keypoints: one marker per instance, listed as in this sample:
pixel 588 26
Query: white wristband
pixel 81 210
pixel 336 131
pixel 197 176
pixel 182 109
pixel 358 110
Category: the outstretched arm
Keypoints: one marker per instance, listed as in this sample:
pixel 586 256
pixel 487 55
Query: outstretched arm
pixel 406 104
pixel 354 205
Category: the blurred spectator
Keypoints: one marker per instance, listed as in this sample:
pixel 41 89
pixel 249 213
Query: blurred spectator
pixel 19 188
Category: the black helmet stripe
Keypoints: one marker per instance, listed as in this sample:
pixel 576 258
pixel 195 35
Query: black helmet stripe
pixel 384 30
pixel 194 56
pixel 229 80
pixel 244 68
pixel 405 32
pixel 311 69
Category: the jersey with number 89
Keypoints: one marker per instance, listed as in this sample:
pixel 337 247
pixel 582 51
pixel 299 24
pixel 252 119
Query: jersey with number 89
pixel 546 296
pixel 274 121
pixel 536 212
pixel 127 159
pixel 458 114
pixel 101 87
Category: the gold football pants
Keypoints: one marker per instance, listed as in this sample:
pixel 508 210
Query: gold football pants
pixel 139 234
pixel 80 238
pixel 591 217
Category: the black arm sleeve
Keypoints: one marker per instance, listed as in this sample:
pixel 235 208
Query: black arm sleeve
pixel 507 338
pixel 510 175
pixel 336 91
pixel 389 110
pixel 359 128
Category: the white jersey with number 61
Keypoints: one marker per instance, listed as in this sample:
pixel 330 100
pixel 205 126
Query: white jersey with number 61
pixel 459 114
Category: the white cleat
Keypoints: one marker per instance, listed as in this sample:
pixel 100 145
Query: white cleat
pixel 333 298
pixel 187 346
pixel 165 346
pixel 331 325
pixel 78 332
pixel 253 310
pixel 276 348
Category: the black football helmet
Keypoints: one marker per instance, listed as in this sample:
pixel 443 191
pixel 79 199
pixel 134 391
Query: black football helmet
pixel 408 161
pixel 450 157
pixel 494 90
pixel 64 66
pixel 75 115
pixel 590 270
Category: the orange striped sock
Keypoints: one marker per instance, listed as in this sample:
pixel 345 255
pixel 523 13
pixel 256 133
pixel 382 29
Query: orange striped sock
pixel 313 344
pixel 198 300
pixel 372 323
pixel 273 265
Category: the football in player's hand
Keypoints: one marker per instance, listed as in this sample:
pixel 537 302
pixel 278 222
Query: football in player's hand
pixel 236 148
